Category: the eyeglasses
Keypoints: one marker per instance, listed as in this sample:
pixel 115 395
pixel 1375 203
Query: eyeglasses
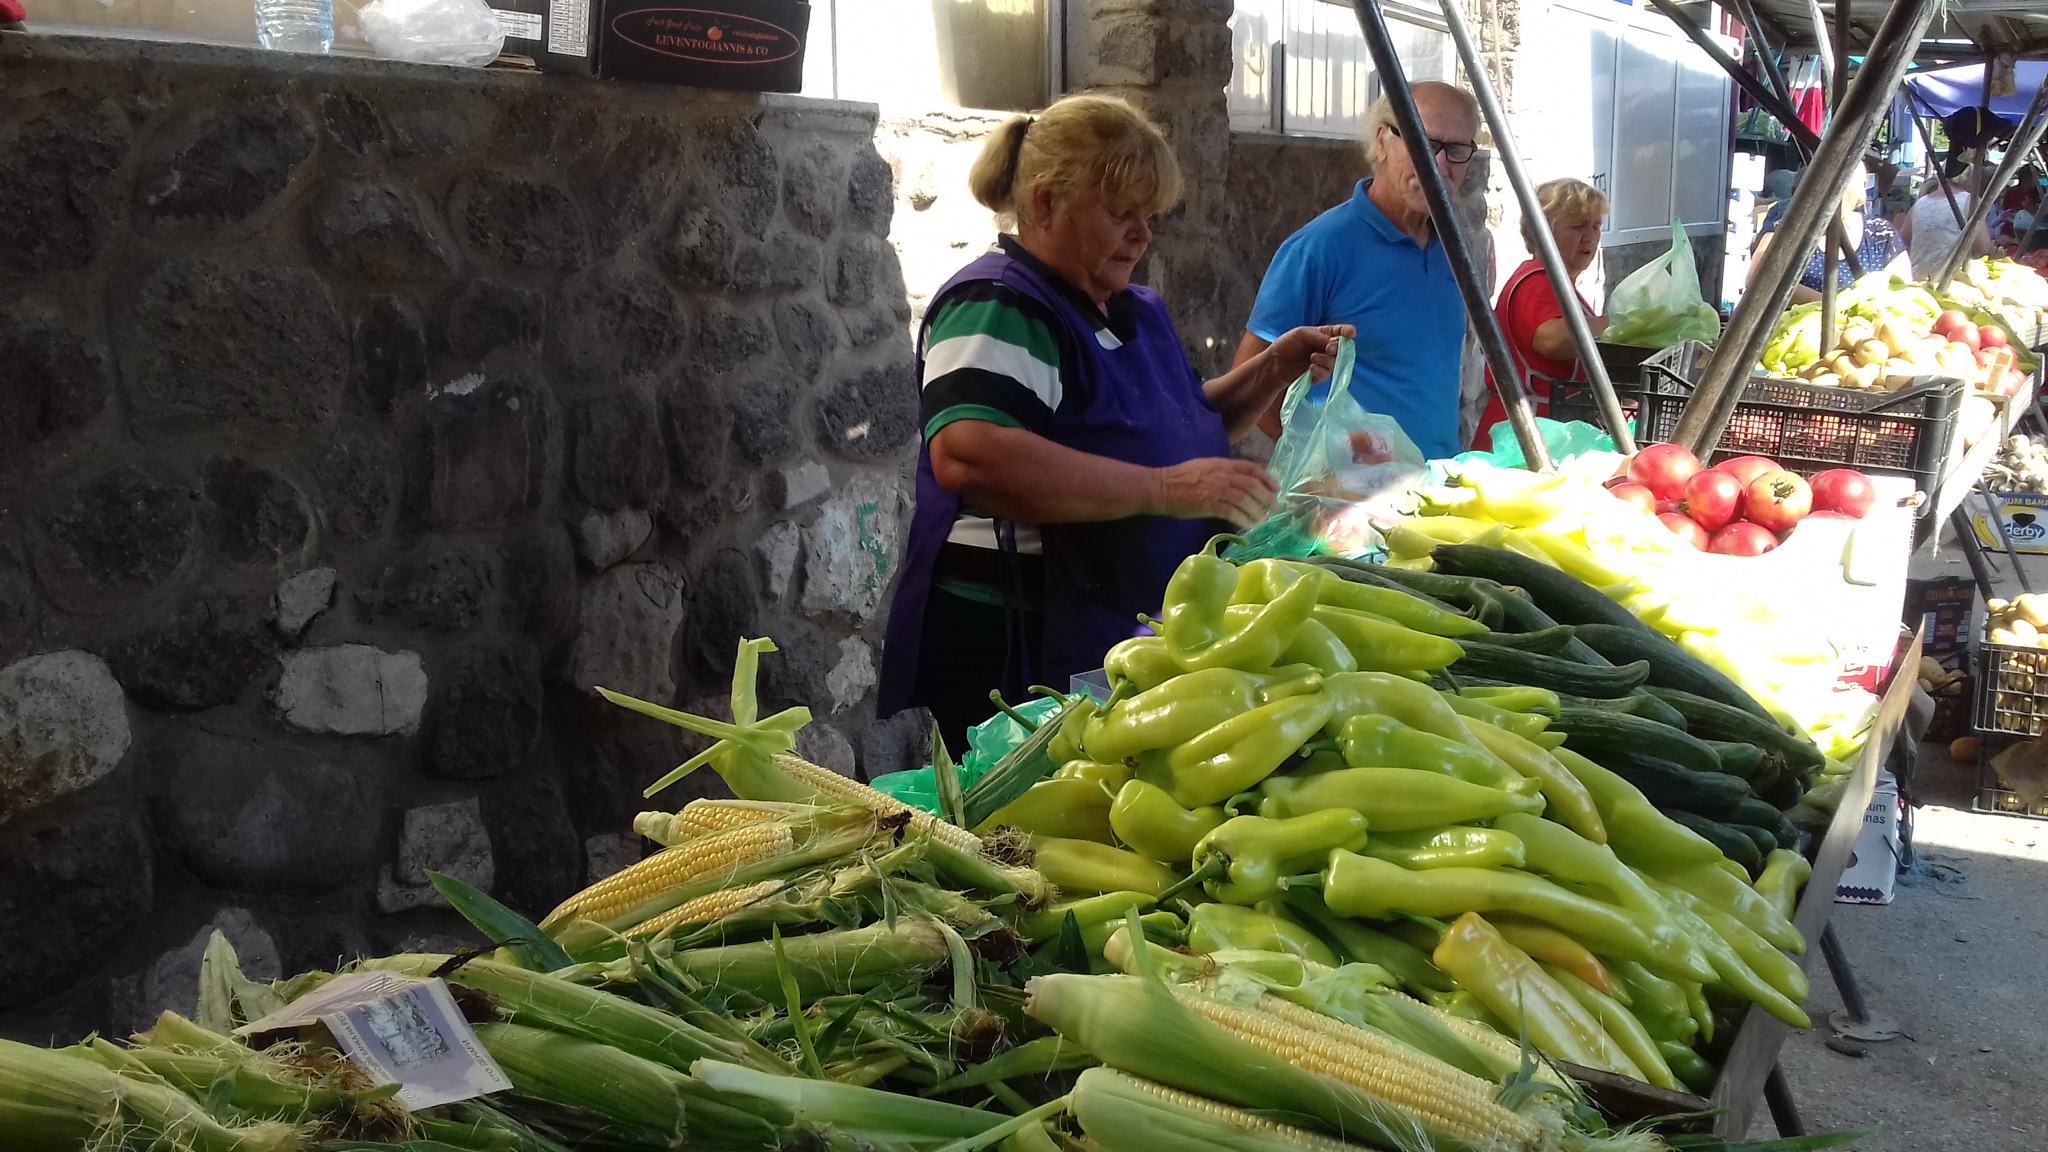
pixel 1455 153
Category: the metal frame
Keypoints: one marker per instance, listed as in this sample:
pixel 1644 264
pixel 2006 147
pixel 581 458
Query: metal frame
pixel 1507 382
pixel 2017 152
pixel 1546 245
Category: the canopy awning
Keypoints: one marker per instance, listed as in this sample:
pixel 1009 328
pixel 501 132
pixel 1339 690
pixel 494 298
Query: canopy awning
pixel 1950 90
pixel 1966 30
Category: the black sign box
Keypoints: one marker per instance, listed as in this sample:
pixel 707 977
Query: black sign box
pixel 745 45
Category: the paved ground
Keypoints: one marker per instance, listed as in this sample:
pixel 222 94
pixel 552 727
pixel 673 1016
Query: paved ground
pixel 1960 961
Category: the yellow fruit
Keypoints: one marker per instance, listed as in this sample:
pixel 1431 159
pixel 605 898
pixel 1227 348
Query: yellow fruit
pixel 1964 750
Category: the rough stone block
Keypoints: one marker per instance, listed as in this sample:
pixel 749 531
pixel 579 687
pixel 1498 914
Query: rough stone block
pixel 538 855
pixel 870 192
pixel 740 170
pixel 700 252
pixel 638 180
pixel 351 121
pixel 237 161
pixel 446 838
pixel 608 853
pixel 391 354
pixel 783 262
pixel 722 610
pixel 803 483
pixel 206 344
pixel 856 269
pixel 485 315
pixel 515 222
pixel 300 598
pixel 259 516
pixel 627 630
pixel 441 591
pixel 486 714
pixel 697 427
pixel 248 816
pixel 898 744
pixel 810 335
pixel 60 172
pixel 56 377
pixel 850 550
pixel 172 982
pixel 762 427
pixel 870 413
pixel 852 678
pixel 70 891
pixel 810 189
pixel 63 725
pixel 617 457
pixel 116 538
pixel 827 747
pixel 603 539
pixel 352 690
pixel 374 230
pixel 482 456
pixel 18 608
pixel 777 551
pixel 360 481
pixel 540 584
pixel 628 321
pixel 201 658
pixel 728 337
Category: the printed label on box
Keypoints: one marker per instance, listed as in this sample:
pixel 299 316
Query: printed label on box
pixel 569 27
pixel 520 25
pixel 2026 522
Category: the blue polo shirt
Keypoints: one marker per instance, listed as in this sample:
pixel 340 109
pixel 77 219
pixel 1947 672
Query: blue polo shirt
pixel 1350 265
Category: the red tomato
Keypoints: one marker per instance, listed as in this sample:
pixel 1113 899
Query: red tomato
pixel 1843 490
pixel 1829 514
pixel 1712 499
pixel 1637 495
pixel 1990 336
pixel 1743 538
pixel 1685 528
pixel 1777 500
pixel 1967 337
pixel 1664 469
pixel 1747 468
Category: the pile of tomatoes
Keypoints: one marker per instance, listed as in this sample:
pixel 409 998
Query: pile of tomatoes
pixel 1740 507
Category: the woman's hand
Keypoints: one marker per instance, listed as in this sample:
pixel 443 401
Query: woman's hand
pixel 1310 349
pixel 1239 491
pixel 1259 378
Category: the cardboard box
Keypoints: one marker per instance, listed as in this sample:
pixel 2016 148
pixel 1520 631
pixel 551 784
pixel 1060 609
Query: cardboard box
pixel 1944 606
pixel 744 45
pixel 2026 522
pixel 1873 870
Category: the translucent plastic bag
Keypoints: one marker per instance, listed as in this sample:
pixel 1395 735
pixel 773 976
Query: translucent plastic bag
pixel 987 742
pixel 1660 304
pixel 1342 471
pixel 459 32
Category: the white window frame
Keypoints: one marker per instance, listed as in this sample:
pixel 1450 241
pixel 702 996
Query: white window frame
pixel 1249 114
pixel 825 78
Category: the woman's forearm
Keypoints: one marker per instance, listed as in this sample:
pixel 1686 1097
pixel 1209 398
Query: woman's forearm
pixel 1248 389
pixel 1017 475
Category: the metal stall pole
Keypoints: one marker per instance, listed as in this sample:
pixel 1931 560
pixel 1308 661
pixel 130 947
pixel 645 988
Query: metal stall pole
pixel 1766 55
pixel 1927 138
pixel 1546 244
pixel 2022 146
pixel 1835 69
pixel 1507 382
pixel 1856 1021
pixel 1721 386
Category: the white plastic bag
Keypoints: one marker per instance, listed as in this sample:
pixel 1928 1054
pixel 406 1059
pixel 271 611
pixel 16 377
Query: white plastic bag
pixel 461 32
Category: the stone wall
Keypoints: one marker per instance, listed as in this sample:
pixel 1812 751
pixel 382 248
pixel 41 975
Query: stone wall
pixel 356 420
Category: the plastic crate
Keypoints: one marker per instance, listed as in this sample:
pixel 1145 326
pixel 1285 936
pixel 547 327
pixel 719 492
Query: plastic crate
pixel 2012 690
pixel 1803 427
pixel 1624 362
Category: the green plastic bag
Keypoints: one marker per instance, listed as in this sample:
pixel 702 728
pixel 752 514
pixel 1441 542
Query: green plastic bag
pixel 1660 304
pixel 987 742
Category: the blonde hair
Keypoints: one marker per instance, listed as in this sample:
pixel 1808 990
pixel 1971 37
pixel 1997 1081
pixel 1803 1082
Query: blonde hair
pixel 1381 115
pixel 1565 202
pixel 1078 144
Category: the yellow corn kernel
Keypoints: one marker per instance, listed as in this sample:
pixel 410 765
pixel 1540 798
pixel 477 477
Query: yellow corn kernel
pixel 703 817
pixel 1238 1118
pixel 832 785
pixel 1442 1097
pixel 705 909
pixel 695 860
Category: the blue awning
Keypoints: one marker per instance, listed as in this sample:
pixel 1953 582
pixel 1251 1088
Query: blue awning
pixel 1950 90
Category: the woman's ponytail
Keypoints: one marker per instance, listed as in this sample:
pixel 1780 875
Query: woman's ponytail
pixel 993 179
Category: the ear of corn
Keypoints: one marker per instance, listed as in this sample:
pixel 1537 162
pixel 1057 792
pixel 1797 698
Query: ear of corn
pixel 704 909
pixel 862 1113
pixel 1124 1113
pixel 848 960
pixel 58 1102
pixel 716 857
pixel 703 816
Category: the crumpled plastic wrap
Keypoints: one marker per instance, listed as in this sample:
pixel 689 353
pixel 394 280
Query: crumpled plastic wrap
pixel 460 32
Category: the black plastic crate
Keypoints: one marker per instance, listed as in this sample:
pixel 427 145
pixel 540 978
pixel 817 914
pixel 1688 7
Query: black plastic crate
pixel 1624 362
pixel 1803 427
pixel 2012 690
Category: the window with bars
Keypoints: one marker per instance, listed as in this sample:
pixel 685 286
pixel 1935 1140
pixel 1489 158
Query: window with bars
pixel 1301 66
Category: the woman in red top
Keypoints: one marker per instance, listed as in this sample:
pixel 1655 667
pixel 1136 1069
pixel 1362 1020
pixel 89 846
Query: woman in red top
pixel 1530 318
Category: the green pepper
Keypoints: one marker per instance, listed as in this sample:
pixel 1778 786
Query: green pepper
pixel 1399 607
pixel 1355 885
pixel 1381 645
pixel 1688 1066
pixel 1149 822
pixel 1171 713
pixel 1735 972
pixel 1621 1026
pixel 1197 625
pixel 1242 860
pixel 1070 809
pixel 1110 776
pixel 1141 661
pixel 1066 743
pixel 1725 892
pixel 1785 872
pixel 1417 705
pixel 1563 855
pixel 1086 866
pixel 1548 741
pixel 1364 944
pixel 1702 1014
pixel 1659 1003
pixel 1528 1001
pixel 1572 799
pixel 1393 799
pixel 1642 836
pixel 1523 724
pixel 1045 923
pixel 1376 741
pixel 1316 645
pixel 1458 846
pixel 1466 1006
pixel 1520 698
pixel 1238 753
pixel 1223 927
pixel 1777 969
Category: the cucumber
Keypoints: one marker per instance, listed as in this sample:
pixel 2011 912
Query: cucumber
pixel 1667 785
pixel 1443 592
pixel 1732 843
pixel 1766 841
pixel 1715 720
pixel 1499 608
pixel 1784 792
pixel 1670 665
pixel 1563 597
pixel 1650 708
pixel 1737 759
pixel 1553 672
pixel 1788 833
pixel 1599 731
pixel 1546 641
pixel 1756 813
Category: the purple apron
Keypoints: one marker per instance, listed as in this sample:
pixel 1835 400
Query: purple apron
pixel 1140 403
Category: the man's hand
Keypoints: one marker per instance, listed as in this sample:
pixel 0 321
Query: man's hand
pixel 1311 349
pixel 1239 491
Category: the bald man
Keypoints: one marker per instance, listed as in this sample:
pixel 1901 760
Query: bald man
pixel 1374 262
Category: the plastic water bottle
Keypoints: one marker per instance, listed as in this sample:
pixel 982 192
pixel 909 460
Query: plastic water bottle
pixel 295 25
